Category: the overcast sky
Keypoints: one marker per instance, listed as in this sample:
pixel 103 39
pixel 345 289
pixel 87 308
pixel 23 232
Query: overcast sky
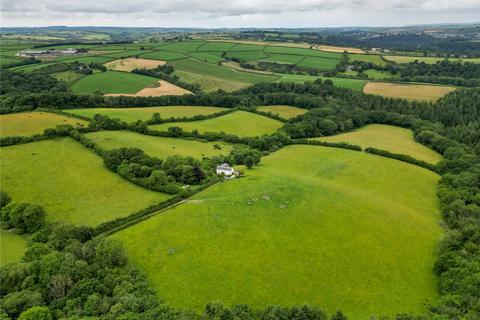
pixel 236 13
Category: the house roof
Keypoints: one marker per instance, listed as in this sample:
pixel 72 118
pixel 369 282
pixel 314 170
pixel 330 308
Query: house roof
pixel 224 166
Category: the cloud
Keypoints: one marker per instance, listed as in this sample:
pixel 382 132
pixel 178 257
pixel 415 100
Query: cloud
pixel 199 12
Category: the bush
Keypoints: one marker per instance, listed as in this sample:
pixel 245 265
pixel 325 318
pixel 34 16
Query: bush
pixel 25 217
pixel 4 199
pixel 36 313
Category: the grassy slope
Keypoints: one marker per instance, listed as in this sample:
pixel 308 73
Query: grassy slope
pixel 30 123
pixel 134 114
pixel 390 138
pixel 70 182
pixel 342 230
pixel 12 247
pixel 355 84
pixel 420 92
pixel 159 147
pixel 430 60
pixel 373 58
pixel 241 123
pixel 212 77
pixel 113 82
pixel 286 112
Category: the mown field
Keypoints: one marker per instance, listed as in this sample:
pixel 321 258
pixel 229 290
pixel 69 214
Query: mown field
pixel 430 60
pixel 112 82
pixel 240 123
pixel 70 183
pixel 12 247
pixel 329 227
pixel 286 112
pixel 390 138
pixel 133 114
pixel 160 147
pixel 420 92
pixel 30 123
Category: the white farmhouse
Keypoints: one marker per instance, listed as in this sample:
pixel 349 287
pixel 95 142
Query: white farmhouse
pixel 225 169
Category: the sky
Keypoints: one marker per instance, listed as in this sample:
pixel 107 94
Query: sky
pixel 236 13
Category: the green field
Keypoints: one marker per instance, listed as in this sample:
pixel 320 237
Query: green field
pixel 68 76
pixel 373 58
pixel 240 123
pixel 90 59
pixel 163 55
pixel 182 46
pixel 329 227
pixel 133 114
pixel 318 63
pixel 126 54
pixel 216 46
pixel 286 112
pixel 430 60
pixel 381 75
pixel 303 52
pixel 212 77
pixel 247 56
pixel 390 138
pixel 355 84
pixel 283 58
pixel 30 123
pixel 112 82
pixel 206 57
pixel 160 147
pixel 12 247
pixel 70 183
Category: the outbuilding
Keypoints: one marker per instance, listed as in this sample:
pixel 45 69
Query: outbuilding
pixel 225 169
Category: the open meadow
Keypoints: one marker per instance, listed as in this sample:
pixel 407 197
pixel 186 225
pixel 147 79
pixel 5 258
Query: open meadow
pixel 70 182
pixel 12 247
pixel 390 138
pixel 429 60
pixel 358 232
pixel 112 82
pixel 30 123
pixel 240 123
pixel 419 92
pixel 286 112
pixel 355 84
pixel 133 114
pixel 160 147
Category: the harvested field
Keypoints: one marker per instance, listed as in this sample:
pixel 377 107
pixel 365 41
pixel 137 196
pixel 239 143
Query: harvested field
pixel 130 64
pixel 407 91
pixel 163 88
pixel 30 123
pixel 323 47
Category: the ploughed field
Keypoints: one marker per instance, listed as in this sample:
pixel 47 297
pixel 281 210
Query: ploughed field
pixel 389 138
pixel 240 123
pixel 31 123
pixel 160 147
pixel 133 114
pixel 70 182
pixel 330 227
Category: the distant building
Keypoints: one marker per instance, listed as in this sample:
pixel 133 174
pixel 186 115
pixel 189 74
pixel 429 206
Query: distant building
pixel 225 170
pixel 69 51
pixel 33 53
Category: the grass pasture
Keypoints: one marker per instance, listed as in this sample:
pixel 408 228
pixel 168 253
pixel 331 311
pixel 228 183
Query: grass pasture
pixel 160 147
pixel 318 63
pixel 286 112
pixel 12 247
pixel 429 60
pixel 31 123
pixel 211 77
pixel 113 82
pixel 355 84
pixel 133 114
pixel 373 58
pixel 358 233
pixel 163 55
pixel 70 182
pixel 407 91
pixel 390 138
pixel 240 123
pixel 67 76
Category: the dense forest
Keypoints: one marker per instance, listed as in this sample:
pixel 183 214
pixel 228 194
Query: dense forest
pixel 67 273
